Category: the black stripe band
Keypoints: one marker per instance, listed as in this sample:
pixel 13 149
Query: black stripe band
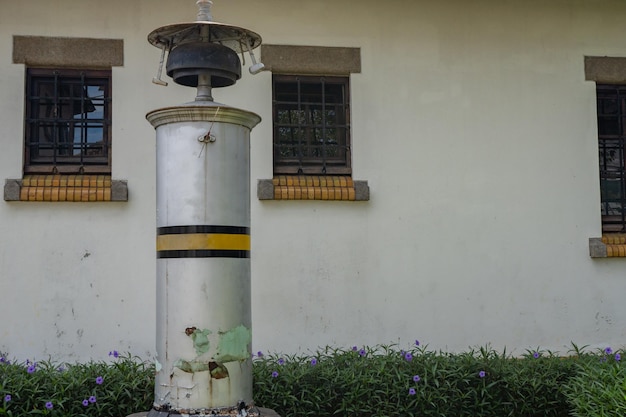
pixel 222 253
pixel 179 230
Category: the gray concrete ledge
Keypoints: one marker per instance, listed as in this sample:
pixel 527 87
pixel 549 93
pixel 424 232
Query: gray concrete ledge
pixel 13 187
pixel 68 52
pixel 362 191
pixel 119 190
pixel 605 69
pixel 597 248
pixel 311 60
pixel 265 191
pixel 12 190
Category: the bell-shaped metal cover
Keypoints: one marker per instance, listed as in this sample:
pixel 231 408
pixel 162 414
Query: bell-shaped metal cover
pixel 190 59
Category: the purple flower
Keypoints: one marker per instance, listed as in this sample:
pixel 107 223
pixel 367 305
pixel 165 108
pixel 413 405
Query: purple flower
pixel 408 357
pixel 281 361
pixel 92 399
pixel 2 359
pixel 481 374
pixel 313 362
pixel 362 352
pixel 354 348
pixel 114 353
pixel 31 369
pixel 416 378
pixel 61 368
pixel 535 355
pixel 417 342
pixel 7 398
pixel 49 405
pixel 99 380
pixel 411 391
pixel 85 402
pixel 608 350
pixel 618 357
pixel 274 374
pixel 259 354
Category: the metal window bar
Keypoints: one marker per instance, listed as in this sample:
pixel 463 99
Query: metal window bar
pixel 611 137
pixel 307 143
pixel 83 124
pixel 299 126
pixel 323 85
pixel 55 116
pixel 64 111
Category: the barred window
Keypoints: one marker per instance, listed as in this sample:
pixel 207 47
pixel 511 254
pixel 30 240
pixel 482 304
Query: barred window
pixel 68 121
pixel 611 101
pixel 311 125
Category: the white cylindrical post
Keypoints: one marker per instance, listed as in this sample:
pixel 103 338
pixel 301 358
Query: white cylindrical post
pixel 203 266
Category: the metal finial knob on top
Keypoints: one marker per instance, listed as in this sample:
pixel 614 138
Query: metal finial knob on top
pixel 204 11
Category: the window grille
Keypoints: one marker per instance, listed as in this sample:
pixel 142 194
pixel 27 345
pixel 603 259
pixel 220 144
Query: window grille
pixel 611 102
pixel 68 121
pixel 311 125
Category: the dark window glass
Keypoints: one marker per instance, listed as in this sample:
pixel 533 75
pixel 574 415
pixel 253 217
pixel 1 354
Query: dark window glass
pixel 611 135
pixel 311 125
pixel 68 121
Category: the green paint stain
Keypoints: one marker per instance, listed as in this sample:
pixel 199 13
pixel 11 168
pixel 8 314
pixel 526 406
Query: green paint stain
pixel 233 345
pixel 191 366
pixel 200 340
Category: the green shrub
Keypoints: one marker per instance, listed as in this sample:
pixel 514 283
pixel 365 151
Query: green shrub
pixel 119 388
pixel 384 381
pixel 599 387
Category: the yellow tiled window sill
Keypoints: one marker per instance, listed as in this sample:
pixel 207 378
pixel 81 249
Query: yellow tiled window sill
pixel 313 187
pixel 75 188
pixel 610 245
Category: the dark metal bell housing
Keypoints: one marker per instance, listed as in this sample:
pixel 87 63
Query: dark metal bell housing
pixel 188 60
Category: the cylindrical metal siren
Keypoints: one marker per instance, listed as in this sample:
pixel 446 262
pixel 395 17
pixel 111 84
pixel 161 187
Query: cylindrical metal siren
pixel 189 60
pixel 203 266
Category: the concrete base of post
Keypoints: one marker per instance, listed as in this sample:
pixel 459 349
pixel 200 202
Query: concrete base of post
pixel 263 412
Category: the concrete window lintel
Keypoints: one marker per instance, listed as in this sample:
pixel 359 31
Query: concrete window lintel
pixel 49 51
pixel 311 60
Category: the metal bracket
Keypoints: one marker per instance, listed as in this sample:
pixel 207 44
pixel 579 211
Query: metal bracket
pixel 207 138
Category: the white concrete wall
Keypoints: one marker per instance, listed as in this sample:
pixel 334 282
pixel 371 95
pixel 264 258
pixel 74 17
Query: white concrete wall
pixel 472 123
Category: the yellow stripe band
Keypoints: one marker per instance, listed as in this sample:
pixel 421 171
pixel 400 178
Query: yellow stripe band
pixel 203 241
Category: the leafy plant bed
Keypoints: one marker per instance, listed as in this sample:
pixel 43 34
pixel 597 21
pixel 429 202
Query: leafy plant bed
pixel 358 382
pixel 384 381
pixel 103 389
